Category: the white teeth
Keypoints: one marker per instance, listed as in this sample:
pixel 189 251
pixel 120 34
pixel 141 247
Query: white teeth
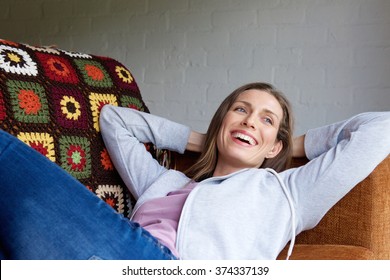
pixel 244 137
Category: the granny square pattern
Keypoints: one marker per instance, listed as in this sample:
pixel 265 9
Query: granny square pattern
pixel 51 100
pixel 29 102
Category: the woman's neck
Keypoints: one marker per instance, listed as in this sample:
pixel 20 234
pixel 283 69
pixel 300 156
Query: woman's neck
pixel 225 169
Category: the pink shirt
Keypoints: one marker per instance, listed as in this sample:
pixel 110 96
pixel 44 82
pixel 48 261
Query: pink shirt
pixel 161 216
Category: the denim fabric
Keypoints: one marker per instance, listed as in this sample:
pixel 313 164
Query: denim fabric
pixel 47 214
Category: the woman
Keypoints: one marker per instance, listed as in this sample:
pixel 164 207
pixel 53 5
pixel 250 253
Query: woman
pixel 229 208
pixel 229 205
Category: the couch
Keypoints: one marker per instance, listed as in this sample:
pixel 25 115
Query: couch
pixel 51 99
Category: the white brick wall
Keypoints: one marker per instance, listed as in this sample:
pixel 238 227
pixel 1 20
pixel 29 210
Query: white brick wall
pixel 331 58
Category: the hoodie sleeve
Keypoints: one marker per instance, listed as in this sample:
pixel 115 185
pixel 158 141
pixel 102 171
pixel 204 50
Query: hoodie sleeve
pixel 341 155
pixel 124 133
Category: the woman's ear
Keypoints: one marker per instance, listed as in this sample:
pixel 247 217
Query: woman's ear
pixel 275 149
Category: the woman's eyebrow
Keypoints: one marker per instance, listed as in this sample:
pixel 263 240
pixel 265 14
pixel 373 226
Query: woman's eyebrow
pixel 265 110
pixel 271 113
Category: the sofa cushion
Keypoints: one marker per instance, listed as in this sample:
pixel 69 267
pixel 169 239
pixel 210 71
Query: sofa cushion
pixel 51 99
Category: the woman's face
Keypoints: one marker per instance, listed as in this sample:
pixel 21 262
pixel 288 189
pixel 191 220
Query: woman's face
pixel 248 132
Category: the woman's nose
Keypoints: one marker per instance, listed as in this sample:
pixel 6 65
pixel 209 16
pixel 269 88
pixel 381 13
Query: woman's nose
pixel 249 122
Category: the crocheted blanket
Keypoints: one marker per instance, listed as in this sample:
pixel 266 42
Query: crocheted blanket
pixel 51 100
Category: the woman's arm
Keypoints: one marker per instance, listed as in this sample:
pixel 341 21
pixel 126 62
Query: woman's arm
pixel 124 133
pixel 299 147
pixel 341 155
pixel 196 142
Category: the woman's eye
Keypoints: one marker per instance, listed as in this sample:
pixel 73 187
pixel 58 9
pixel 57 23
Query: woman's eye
pixel 268 120
pixel 240 109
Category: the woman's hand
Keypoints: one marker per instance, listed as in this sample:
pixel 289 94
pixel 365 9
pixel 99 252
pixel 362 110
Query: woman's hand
pixel 196 142
pixel 299 146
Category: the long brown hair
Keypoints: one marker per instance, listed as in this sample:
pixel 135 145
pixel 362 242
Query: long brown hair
pixel 205 165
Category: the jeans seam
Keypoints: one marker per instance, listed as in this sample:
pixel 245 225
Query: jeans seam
pixel 7 145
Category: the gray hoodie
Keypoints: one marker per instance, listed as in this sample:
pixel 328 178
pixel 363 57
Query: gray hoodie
pixel 252 213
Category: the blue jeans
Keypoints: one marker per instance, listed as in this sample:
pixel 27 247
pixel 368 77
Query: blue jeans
pixel 47 214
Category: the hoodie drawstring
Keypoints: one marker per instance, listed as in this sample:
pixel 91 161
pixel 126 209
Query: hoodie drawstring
pixel 292 209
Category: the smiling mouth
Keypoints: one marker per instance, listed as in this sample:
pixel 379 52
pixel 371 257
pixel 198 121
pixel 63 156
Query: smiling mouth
pixel 244 138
